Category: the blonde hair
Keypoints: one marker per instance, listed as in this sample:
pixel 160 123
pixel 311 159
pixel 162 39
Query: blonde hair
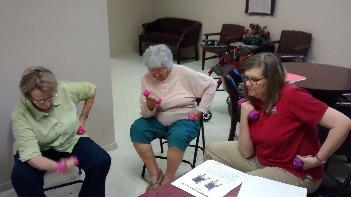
pixel 37 77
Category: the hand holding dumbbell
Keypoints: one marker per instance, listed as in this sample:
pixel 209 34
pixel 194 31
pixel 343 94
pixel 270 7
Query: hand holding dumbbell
pixel 147 92
pixel 192 117
pixel 80 130
pixel 253 115
pixel 298 163
pixel 64 164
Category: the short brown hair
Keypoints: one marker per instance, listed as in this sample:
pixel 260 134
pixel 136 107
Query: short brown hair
pixel 273 71
pixel 37 77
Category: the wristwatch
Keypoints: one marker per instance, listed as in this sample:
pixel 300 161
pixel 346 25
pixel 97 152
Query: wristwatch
pixel 321 161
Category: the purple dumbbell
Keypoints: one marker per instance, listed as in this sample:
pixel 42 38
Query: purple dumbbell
pixel 146 93
pixel 298 163
pixel 253 115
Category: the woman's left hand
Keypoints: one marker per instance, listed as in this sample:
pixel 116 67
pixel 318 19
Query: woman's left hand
pixel 198 115
pixel 309 161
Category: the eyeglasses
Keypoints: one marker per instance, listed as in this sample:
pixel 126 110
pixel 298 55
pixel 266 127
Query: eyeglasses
pixel 41 102
pixel 252 80
pixel 158 70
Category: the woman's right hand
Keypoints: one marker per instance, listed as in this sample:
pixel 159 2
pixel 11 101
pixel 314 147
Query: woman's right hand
pixel 68 163
pixel 245 108
pixel 151 100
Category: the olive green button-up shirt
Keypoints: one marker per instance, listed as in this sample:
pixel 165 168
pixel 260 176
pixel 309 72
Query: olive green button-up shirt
pixel 37 131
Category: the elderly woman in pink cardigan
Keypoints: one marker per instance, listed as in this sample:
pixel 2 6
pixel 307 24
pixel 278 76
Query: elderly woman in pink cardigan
pixel 178 86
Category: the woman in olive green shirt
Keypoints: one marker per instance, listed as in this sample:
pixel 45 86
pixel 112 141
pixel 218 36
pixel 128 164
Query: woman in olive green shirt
pixel 45 124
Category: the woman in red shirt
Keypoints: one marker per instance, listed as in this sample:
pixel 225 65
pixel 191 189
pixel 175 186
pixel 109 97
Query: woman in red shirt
pixel 286 128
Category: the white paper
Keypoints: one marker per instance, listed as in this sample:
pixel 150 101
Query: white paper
pixel 210 178
pixel 262 187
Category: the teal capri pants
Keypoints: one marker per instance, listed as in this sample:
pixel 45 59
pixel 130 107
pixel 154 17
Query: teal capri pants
pixel 178 134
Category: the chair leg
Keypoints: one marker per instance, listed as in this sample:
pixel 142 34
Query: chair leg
pixel 66 184
pixel 196 53
pixel 196 146
pixel 196 149
pixel 203 136
pixel 161 145
pixel 344 186
pixel 143 172
pixel 233 118
pixel 203 59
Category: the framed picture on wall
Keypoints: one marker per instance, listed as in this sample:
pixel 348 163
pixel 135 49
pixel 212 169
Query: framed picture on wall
pixel 261 7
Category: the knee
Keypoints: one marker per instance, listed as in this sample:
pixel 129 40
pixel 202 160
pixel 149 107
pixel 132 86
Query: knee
pixel 105 162
pixel 178 142
pixel 209 151
pixel 22 175
pixel 102 164
pixel 17 177
pixel 136 131
pixel 139 134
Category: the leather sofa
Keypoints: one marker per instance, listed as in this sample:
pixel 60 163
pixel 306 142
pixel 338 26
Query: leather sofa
pixel 177 33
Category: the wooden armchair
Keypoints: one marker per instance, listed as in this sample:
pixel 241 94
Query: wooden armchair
pixel 293 45
pixel 229 33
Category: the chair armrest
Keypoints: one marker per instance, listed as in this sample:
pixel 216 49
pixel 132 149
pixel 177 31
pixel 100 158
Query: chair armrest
pixel 210 43
pixel 302 49
pixel 190 35
pixel 265 43
pixel 348 104
pixel 291 58
pixel 211 34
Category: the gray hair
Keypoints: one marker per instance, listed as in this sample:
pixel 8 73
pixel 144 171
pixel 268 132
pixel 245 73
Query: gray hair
pixel 273 71
pixel 37 77
pixel 157 55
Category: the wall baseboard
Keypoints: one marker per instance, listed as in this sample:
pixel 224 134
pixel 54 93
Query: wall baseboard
pixel 5 186
pixel 110 147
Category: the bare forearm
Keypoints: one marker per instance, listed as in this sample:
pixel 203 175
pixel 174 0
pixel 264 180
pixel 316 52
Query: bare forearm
pixel 245 143
pixel 88 104
pixel 339 125
pixel 336 137
pixel 42 163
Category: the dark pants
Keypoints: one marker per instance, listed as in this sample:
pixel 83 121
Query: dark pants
pixel 95 161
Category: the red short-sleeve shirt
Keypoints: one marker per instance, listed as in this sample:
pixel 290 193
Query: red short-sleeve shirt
pixel 289 130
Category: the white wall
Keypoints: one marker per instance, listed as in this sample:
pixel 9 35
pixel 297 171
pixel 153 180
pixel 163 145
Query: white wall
pixel 328 21
pixel 124 19
pixel 70 38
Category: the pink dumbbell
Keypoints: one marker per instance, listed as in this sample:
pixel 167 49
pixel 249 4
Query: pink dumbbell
pixel 191 117
pixel 253 115
pixel 80 130
pixel 146 93
pixel 297 163
pixel 61 165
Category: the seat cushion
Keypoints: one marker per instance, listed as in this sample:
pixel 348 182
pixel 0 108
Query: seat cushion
pixel 160 38
pixel 219 49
